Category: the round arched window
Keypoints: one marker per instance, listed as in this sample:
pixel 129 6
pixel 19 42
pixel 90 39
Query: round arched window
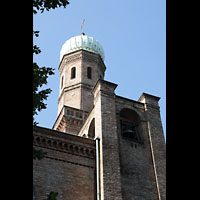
pixel 73 73
pixel 129 121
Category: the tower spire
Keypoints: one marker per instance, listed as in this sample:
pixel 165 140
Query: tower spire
pixel 82 25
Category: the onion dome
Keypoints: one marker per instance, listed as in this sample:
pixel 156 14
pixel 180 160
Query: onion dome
pixel 82 42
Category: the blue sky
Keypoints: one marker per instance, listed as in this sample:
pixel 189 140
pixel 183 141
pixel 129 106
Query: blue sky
pixel 133 35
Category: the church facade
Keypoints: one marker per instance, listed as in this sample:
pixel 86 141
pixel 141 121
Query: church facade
pixel 102 146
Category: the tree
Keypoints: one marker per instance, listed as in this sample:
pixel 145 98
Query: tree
pixel 41 5
pixel 40 75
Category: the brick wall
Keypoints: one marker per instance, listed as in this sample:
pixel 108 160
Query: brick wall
pixel 136 167
pixel 68 168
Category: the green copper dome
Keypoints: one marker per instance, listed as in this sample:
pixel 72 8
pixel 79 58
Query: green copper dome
pixel 82 42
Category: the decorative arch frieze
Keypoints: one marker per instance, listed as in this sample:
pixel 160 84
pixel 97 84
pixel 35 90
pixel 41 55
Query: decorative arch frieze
pixel 63 146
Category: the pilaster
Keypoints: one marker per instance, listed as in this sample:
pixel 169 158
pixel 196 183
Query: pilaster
pixel 157 141
pixel 106 130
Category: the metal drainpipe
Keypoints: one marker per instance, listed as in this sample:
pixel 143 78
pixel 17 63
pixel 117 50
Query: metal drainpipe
pixel 152 154
pixel 97 167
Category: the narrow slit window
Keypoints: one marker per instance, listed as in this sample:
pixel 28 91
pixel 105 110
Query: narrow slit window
pixel 89 73
pixel 73 73
pixel 62 82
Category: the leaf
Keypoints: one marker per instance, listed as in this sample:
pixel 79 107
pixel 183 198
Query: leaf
pixel 36 33
pixel 36 49
pixel 52 196
pixel 41 5
pixel 40 75
pixel 38 154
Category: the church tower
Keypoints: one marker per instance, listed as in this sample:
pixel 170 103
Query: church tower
pixel 81 66
pixel 102 146
pixel 130 145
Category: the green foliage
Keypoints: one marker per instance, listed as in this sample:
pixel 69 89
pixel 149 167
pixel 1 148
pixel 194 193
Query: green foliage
pixel 41 5
pixel 36 33
pixel 36 49
pixel 52 196
pixel 38 154
pixel 40 75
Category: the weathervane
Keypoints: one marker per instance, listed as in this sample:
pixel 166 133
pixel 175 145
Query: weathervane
pixel 82 24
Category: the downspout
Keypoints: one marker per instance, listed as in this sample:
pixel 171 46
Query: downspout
pixel 97 168
pixel 152 154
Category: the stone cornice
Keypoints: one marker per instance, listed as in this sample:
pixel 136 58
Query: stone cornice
pixel 71 87
pixel 71 57
pixel 70 114
pixel 157 108
pixel 145 95
pixel 95 58
pixel 105 86
pixel 85 56
pixel 130 102
pixel 64 142
pixel 73 163
pixel 65 147
pixel 75 86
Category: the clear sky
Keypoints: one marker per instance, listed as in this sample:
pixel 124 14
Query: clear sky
pixel 133 35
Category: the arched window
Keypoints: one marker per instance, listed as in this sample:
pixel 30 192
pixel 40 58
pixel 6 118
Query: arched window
pixel 73 72
pixel 89 72
pixel 129 121
pixel 91 131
